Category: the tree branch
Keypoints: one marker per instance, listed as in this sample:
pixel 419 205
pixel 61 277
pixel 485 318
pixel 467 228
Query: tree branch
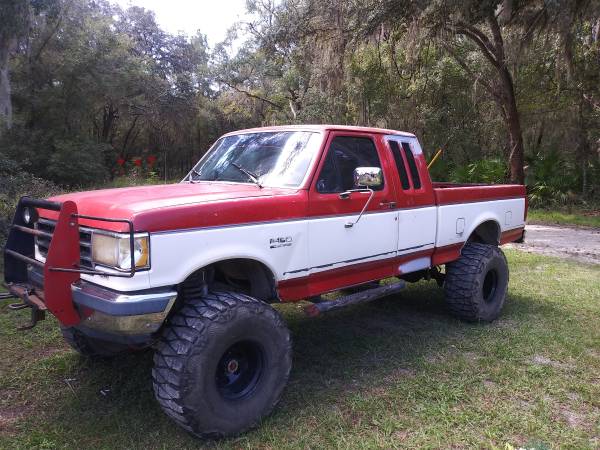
pixel 251 95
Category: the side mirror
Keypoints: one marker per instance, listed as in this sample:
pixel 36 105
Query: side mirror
pixel 370 177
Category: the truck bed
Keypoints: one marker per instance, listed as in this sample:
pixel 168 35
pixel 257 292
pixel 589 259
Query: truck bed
pixel 451 193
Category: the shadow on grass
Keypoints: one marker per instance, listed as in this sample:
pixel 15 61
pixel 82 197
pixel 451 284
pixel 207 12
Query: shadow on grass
pixel 111 401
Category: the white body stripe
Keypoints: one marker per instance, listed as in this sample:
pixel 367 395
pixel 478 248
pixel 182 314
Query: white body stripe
pixel 297 248
pixel 475 214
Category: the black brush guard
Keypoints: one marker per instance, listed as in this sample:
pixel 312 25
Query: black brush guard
pixel 19 256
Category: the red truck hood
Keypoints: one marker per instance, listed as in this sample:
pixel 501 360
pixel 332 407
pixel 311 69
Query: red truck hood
pixel 172 206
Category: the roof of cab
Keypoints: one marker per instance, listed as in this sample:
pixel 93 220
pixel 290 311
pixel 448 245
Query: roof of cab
pixel 321 128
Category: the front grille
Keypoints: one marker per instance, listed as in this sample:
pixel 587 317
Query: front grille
pixel 85 242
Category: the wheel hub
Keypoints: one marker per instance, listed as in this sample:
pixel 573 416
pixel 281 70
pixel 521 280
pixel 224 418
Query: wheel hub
pixel 233 366
pixel 239 370
pixel 490 283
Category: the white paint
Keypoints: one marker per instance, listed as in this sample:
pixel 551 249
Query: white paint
pixel 416 229
pixel 323 242
pixel 460 226
pixel 474 215
pixel 415 264
pixel 176 255
pixel 330 243
pixel 315 245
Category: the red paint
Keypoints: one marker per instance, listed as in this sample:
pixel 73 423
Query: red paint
pixel 63 253
pixel 331 204
pixel 411 197
pixel 448 193
pixel 447 253
pixel 186 205
pixel 344 277
pixel 511 235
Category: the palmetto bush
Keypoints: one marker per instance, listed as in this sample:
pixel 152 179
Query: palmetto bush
pixel 553 181
pixel 491 171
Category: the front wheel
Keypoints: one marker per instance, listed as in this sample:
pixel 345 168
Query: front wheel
pixel 222 364
pixel 476 283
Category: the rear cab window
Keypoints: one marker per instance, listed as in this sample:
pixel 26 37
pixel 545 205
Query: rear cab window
pixel 413 185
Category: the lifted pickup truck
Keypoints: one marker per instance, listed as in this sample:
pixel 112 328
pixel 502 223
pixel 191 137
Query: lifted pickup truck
pixel 268 215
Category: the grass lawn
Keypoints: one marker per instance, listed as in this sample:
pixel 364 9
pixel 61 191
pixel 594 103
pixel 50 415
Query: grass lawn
pixel 399 372
pixel 580 218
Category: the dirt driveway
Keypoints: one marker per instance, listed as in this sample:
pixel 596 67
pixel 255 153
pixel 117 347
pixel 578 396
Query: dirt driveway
pixel 580 244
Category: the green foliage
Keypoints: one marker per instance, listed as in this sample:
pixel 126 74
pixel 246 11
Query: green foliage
pixel 96 84
pixel 14 184
pixel 492 171
pixel 552 180
pixel 77 163
pixel 576 216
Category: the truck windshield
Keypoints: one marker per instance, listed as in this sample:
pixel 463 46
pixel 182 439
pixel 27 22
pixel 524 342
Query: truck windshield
pixel 275 159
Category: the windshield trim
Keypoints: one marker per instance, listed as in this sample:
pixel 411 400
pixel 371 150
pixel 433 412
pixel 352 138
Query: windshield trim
pixel 301 185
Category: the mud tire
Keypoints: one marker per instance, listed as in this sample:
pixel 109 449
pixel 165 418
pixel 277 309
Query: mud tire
pixel 476 284
pixel 194 378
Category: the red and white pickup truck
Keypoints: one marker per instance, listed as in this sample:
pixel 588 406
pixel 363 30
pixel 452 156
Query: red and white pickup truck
pixel 268 215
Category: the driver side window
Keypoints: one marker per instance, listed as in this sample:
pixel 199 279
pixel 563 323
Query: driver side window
pixel 345 154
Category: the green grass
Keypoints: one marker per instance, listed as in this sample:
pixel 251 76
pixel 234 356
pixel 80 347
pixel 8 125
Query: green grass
pixel 398 372
pixel 587 218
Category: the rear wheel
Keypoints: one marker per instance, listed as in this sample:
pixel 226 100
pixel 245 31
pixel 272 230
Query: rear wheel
pixel 222 364
pixel 476 284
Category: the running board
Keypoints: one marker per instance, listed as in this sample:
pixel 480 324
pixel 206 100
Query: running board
pixel 315 309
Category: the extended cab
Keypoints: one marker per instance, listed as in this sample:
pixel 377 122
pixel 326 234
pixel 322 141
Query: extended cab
pixel 268 215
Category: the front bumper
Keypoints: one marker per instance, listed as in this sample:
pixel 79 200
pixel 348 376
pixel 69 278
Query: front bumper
pixel 115 314
pixel 128 314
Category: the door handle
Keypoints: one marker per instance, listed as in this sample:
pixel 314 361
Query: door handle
pixel 389 205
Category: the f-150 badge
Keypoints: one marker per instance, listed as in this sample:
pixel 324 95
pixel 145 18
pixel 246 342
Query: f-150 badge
pixel 280 242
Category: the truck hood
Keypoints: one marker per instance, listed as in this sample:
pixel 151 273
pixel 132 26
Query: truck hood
pixel 152 207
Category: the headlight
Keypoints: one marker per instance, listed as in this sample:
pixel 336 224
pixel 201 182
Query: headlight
pixel 114 251
pixel 30 215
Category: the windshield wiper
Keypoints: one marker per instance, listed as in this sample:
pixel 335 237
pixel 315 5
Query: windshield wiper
pixel 249 174
pixel 189 177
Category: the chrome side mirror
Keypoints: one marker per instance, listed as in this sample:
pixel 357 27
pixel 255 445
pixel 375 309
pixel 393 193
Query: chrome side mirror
pixel 370 177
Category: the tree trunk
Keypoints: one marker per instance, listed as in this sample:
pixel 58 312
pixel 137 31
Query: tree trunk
pixel 503 90
pixel 5 92
pixel 515 134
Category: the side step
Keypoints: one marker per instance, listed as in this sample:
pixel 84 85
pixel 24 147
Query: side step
pixel 314 309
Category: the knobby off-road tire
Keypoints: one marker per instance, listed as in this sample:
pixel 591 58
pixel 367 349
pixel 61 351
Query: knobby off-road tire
pixel 90 347
pixel 476 284
pixel 222 364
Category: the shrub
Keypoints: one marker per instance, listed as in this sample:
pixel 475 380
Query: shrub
pixel 78 163
pixel 490 171
pixel 14 184
pixel 552 181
